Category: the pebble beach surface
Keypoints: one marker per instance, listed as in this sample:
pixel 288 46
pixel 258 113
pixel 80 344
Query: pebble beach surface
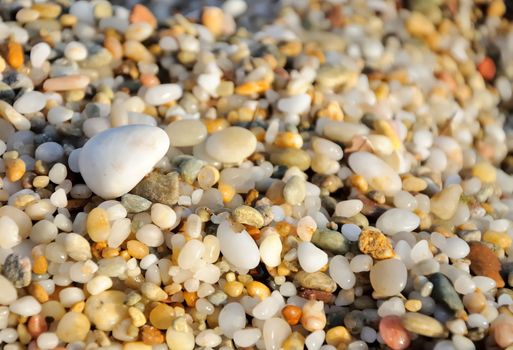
pixel 335 178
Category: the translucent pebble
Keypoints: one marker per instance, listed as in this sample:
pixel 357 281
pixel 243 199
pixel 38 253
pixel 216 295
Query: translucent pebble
pixel 59 114
pixel 247 337
pixel 25 306
pixel 150 235
pixel 47 341
pixel 405 200
pixel 9 233
pixel 288 289
pixel 30 102
pixel 231 145
pixel 39 54
pixel 306 227
pixel 327 148
pixel 395 220
pixel 368 335
pixel 477 321
pixel 485 284
pixel 295 104
pixel 49 152
pixel 268 307
pixel 315 339
pixel 163 216
pixel 388 277
pixel 275 331
pixel 75 51
pixel 462 343
pixel 392 307
pixel 163 93
pixel 310 257
pixel 186 133
pixel 456 248
pixel 351 232
pixel 59 199
pixel 232 318
pixel 98 284
pixel 193 226
pixel 119 232
pixel 357 345
pixel 190 254
pixel 348 208
pixel 421 251
pixel 270 250
pixel 361 263
pixel 378 174
pixel 238 248
pixel 464 285
pixel 340 271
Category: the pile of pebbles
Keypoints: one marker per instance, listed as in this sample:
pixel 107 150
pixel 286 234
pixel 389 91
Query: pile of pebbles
pixel 339 178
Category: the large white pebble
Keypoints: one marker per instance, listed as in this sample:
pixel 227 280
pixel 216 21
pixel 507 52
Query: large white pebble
pixel 396 220
pixel 340 271
pixel 232 318
pixel 270 250
pixel 238 247
pixel 30 102
pixel 163 93
pixel 376 172
pixel 246 337
pixel 25 306
pixel 115 160
pixel 9 233
pixel 231 145
pixel 456 248
pixel 310 257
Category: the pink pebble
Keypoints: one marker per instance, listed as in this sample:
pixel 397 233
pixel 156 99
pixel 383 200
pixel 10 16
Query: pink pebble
pixel 393 333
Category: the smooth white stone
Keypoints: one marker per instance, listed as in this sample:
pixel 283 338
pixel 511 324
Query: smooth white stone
pixel 231 145
pixel 164 93
pixel 348 208
pixel 30 102
pixel 25 306
pixel 420 251
pixel 115 160
pixel 310 257
pixel 456 248
pixel 341 273
pixel 232 318
pixel 9 233
pixel 295 104
pixel 270 250
pixel 378 174
pixel 247 337
pixel 269 307
pixel 275 331
pixel 39 53
pixel 314 340
pixel 396 220
pixel 238 248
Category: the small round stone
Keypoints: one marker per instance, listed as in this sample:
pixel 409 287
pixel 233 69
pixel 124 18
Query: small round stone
pixel 388 277
pixel 231 145
pixel 186 133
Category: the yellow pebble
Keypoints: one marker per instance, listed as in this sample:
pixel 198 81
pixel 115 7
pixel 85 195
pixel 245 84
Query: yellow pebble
pixel 414 184
pixel 47 10
pixel 384 127
pixel 227 192
pixel 162 316
pixel 295 341
pixel 500 239
pixel 15 54
pixel 258 289
pixel 338 335
pixel 138 318
pixel 413 305
pixel 68 20
pixel 233 288
pixel 136 345
pixel 38 292
pixel 137 249
pixel 288 139
pixel 98 226
pixel 78 307
pixel 497 8
pixel 15 169
pixel 214 125
pixel 485 172
pixel 2 64
pixel 190 298
pixel 252 87
pixel 41 181
pixel 40 265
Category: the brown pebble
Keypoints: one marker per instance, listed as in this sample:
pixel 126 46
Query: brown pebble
pixel 37 325
pixel 376 244
pixel 152 336
pixel 314 294
pixel 483 262
pixel 292 314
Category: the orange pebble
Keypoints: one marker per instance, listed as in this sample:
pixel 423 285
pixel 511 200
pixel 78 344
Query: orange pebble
pixel 15 54
pixel 292 314
pixel 487 68
pixel 113 45
pixel 252 87
pixel 37 325
pixel 149 80
pixel 227 192
pixel 214 125
pixel 40 265
pixel 141 13
pixel 190 298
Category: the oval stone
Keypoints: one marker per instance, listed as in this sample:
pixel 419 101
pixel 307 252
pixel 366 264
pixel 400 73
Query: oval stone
pixel 231 145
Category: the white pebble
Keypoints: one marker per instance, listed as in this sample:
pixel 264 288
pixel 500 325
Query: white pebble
pixel 30 102
pixel 310 257
pixel 396 220
pixel 348 208
pixel 39 54
pixel 340 271
pixel 25 306
pixel 150 235
pixel 161 94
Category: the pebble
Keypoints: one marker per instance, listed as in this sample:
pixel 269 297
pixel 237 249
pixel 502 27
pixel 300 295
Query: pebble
pixel 483 262
pixel 25 306
pixel 294 191
pixel 331 241
pixel 186 133
pixel 238 247
pixel 388 277
pixel 270 250
pixel 341 273
pixel 445 203
pixel 159 188
pixel 444 293
pixel 397 220
pixel 30 102
pixel 134 203
pixel 231 145
pixel 291 157
pixel 376 244
pixel 393 333
pixel 107 158
pixel 106 309
pixel 502 330
pixel 248 216
pixel 66 83
pixel 73 327
pixel 348 208
pixel 310 257
pixel 422 324
pixel 316 280
pixel 9 293
pixel 380 175
pixel 163 93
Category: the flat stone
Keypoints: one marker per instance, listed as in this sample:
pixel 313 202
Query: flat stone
pixel 159 188
pixel 331 241
pixel 134 203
